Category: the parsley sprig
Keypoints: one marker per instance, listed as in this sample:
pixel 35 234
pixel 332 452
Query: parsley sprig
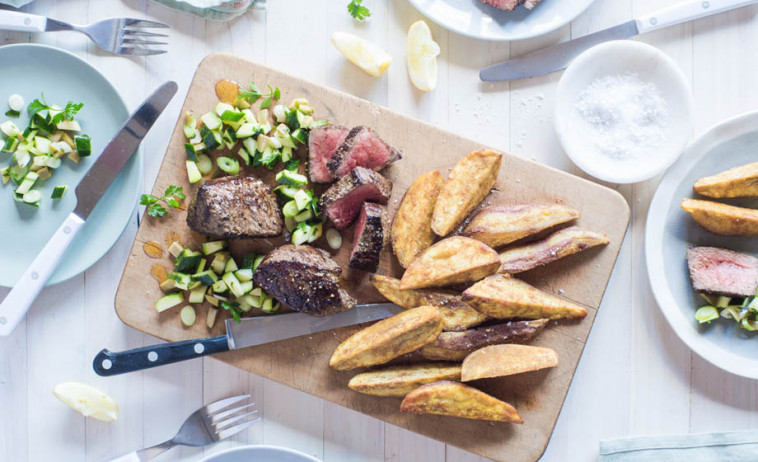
pixel 357 10
pixel 232 307
pixel 170 197
pixel 254 94
pixel 66 113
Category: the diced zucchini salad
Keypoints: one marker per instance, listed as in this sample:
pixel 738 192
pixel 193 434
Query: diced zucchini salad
pixel 35 152
pixel 238 134
pixel 743 311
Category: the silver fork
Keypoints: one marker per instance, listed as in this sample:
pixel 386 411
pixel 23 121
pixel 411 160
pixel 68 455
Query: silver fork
pixel 122 36
pixel 207 425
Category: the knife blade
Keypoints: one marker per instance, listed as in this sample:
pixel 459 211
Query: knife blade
pixel 88 192
pixel 248 332
pixel 559 56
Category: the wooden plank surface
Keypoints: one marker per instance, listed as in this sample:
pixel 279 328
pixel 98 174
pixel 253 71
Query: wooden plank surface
pixel 302 363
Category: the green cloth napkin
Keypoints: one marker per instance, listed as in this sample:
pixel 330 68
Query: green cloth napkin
pixel 739 446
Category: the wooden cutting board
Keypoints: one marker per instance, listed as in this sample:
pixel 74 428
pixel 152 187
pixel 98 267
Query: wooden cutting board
pixel 302 363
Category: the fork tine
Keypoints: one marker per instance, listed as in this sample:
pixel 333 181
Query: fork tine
pixel 216 418
pixel 227 432
pixel 234 420
pixel 141 33
pixel 138 51
pixel 132 22
pixel 220 405
pixel 132 41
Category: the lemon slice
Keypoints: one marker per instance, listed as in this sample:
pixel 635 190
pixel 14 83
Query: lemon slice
pixel 422 51
pixel 367 55
pixel 87 400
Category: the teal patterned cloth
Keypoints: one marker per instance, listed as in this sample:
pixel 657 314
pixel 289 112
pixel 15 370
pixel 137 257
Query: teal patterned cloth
pixel 218 10
pixel 739 446
pixel 16 3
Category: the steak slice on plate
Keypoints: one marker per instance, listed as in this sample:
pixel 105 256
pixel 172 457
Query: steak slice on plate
pixel 510 5
pixel 235 207
pixel 304 278
pixel 323 142
pixel 371 236
pixel 362 148
pixel 342 201
pixel 722 271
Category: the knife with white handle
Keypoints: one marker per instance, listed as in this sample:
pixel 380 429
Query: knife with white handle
pixel 248 332
pixel 559 56
pixel 88 192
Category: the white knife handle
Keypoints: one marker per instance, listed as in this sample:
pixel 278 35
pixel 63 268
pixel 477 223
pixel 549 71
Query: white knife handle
pixel 23 294
pixel 687 11
pixel 22 22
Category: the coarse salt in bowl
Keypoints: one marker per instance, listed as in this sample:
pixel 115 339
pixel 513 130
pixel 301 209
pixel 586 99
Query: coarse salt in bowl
pixel 623 111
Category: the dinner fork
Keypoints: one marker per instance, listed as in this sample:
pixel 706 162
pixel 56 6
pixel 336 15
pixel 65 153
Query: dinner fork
pixel 207 425
pixel 122 36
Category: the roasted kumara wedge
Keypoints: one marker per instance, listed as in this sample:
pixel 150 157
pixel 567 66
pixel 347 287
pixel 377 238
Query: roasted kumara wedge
pixel 502 296
pixel 401 380
pixel 468 183
pixel 726 220
pixel 458 400
pixel 455 346
pixel 502 224
pixel 562 243
pixel 453 260
pixel 502 360
pixel 456 315
pixel 388 339
pixel 412 226
pixel 736 182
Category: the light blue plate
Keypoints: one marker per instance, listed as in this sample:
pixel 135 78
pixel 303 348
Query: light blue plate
pixel 30 70
pixel 670 232
pixel 260 454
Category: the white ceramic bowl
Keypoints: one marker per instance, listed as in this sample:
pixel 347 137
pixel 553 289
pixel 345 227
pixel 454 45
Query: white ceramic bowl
pixel 260 453
pixel 619 58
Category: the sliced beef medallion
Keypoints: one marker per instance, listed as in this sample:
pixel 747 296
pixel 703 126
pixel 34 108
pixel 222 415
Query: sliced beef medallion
pixel 371 236
pixel 362 148
pixel 510 5
pixel 342 201
pixel 722 271
pixel 323 142
pixel 235 207
pixel 304 278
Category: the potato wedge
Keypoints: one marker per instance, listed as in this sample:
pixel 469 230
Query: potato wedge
pixel 736 182
pixel 502 224
pixel 562 243
pixel 502 360
pixel 412 226
pixel 388 339
pixel 501 296
pixel 456 315
pixel 458 400
pixel 468 183
pixel 401 380
pixel 455 346
pixel 451 261
pixel 726 220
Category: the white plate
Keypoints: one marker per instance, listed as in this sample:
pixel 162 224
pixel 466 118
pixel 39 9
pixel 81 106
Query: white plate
pixel 475 19
pixel 260 454
pixel 670 232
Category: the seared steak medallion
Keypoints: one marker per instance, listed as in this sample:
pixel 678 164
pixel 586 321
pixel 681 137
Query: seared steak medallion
pixel 361 148
pixel 304 278
pixel 722 271
pixel 342 201
pixel 371 235
pixel 510 5
pixel 323 142
pixel 235 207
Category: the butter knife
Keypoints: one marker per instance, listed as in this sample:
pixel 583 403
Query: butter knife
pixel 557 57
pixel 88 192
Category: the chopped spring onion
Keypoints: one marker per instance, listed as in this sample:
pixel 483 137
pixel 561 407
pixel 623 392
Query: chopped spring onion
pixel 334 239
pixel 704 314
pixel 204 164
pixel 210 318
pixel 58 192
pixel 733 312
pixel 229 165
pixel 16 102
pixel 749 324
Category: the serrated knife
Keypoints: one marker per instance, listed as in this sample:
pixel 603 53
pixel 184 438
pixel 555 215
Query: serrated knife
pixel 559 56
pixel 248 332
pixel 88 192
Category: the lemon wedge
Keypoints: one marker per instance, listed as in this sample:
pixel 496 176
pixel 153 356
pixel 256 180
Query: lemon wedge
pixel 367 55
pixel 422 51
pixel 87 400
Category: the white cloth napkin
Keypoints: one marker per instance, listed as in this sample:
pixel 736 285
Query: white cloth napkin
pixel 15 3
pixel 739 446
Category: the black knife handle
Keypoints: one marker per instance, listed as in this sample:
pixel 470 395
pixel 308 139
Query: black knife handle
pixel 109 363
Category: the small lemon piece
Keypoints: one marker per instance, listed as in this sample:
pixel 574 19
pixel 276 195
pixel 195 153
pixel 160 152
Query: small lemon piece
pixel 422 51
pixel 366 55
pixel 87 400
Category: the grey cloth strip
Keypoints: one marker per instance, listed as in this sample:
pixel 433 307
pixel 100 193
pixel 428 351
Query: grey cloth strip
pixel 738 446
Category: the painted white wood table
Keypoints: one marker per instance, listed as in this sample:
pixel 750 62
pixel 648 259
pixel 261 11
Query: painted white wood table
pixel 635 377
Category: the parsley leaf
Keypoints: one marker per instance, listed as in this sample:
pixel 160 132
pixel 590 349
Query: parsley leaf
pixel 171 197
pixel 357 10
pixel 66 113
pixel 254 94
